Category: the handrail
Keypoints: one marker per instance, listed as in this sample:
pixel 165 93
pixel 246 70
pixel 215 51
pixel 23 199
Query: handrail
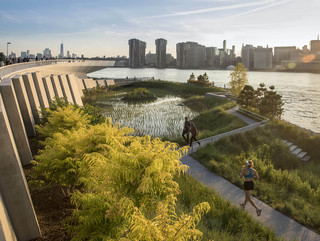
pixel 8 69
pixel 252 114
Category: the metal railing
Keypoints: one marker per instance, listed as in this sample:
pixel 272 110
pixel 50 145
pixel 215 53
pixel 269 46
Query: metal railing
pixel 251 114
pixel 8 69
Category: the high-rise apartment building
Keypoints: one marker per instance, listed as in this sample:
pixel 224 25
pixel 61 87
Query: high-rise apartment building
pixel 211 56
pixel 161 52
pixel 315 48
pixel 61 55
pixel 137 53
pixel 247 55
pixel 47 53
pixel 262 58
pixel 24 55
pixel 190 55
pixel 285 53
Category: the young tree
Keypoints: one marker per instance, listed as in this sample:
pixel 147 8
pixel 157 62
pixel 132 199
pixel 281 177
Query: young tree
pixel 238 79
pixel 247 96
pixel 271 104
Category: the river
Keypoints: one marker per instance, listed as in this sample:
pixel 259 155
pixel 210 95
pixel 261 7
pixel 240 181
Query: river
pixel 300 91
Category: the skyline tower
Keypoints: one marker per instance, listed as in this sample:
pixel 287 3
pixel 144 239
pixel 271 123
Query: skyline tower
pixel 137 53
pixel 61 55
pixel 161 52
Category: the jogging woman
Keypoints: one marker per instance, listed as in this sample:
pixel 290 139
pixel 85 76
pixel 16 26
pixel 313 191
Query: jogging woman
pixel 249 173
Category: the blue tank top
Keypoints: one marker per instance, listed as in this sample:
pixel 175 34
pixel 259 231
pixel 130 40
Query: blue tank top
pixel 250 175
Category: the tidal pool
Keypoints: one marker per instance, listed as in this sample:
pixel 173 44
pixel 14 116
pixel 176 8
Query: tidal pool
pixel 161 118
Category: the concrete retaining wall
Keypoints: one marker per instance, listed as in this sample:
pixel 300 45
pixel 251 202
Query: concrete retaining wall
pixel 21 98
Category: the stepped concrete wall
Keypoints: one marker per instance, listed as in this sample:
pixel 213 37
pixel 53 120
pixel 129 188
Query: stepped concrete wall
pixel 21 98
pixel 56 86
pixel 38 83
pixel 13 185
pixel 6 230
pixel 32 96
pixel 15 121
pixel 24 105
pixel 65 88
pixel 48 88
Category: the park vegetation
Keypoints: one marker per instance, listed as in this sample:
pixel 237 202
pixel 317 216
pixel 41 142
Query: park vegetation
pixel 139 94
pixel 238 79
pixel 286 184
pixel 266 102
pixel 202 80
pixel 126 187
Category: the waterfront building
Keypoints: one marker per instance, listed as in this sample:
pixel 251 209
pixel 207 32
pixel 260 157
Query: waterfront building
pixel 190 55
pixel 12 55
pixel 151 59
pixel 32 56
pixel 315 48
pixel 161 52
pixel 285 53
pixel 247 55
pixel 224 44
pixel 262 58
pixel 68 54
pixel 39 55
pixel 28 53
pixel 47 53
pixel 169 59
pixel 211 57
pixel 137 53
pixel 61 55
pixel 23 55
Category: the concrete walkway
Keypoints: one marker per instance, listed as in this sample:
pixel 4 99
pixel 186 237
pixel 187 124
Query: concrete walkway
pixel 246 119
pixel 284 227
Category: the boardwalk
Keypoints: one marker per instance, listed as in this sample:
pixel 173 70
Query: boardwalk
pixel 284 227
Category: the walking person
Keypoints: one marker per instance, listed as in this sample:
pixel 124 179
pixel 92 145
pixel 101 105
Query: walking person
pixel 249 173
pixel 194 133
pixel 186 130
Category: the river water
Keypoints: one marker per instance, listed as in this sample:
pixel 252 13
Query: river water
pixel 300 91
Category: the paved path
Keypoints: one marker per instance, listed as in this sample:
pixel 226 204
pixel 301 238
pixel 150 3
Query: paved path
pixel 246 119
pixel 284 227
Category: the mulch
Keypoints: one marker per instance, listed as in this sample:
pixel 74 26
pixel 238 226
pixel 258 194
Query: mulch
pixel 51 208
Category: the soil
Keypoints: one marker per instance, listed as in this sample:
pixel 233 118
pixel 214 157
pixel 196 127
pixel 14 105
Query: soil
pixel 51 208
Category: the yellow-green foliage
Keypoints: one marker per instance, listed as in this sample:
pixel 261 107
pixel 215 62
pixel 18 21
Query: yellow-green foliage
pixel 122 186
pixel 139 94
pixel 238 79
pixel 64 118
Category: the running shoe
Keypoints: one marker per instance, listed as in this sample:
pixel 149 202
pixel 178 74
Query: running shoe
pixel 242 206
pixel 258 212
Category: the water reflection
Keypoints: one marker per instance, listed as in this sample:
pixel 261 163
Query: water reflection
pixel 161 118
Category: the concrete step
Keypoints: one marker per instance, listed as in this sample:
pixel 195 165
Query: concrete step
pixel 289 143
pixel 292 148
pixel 296 151
pixel 306 158
pixel 301 154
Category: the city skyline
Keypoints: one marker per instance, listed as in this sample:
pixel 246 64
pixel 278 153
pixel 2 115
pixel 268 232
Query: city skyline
pixel 98 28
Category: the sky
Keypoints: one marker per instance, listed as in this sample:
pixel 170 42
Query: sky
pixel 103 27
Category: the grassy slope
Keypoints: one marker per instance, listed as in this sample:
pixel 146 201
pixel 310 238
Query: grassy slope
pixel 224 221
pixel 285 183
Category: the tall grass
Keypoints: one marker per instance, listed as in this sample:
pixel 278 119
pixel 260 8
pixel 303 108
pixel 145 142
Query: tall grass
pixel 224 221
pixel 284 185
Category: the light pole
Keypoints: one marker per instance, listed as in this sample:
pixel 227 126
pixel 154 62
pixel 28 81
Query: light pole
pixel 7 49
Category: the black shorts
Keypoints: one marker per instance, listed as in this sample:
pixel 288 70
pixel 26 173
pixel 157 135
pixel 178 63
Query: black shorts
pixel 248 185
pixel 185 132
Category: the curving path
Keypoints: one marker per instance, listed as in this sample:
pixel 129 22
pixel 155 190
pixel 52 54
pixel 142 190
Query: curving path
pixel 284 226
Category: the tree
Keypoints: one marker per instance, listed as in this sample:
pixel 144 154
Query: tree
pixel 260 93
pixel 238 79
pixel 192 77
pixel 247 96
pixel 271 104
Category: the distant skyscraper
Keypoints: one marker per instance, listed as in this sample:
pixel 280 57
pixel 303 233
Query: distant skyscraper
pixel 247 55
pixel 137 53
pixel 224 44
pixel 315 48
pixel 61 55
pixel 23 55
pixel 39 55
pixel 68 54
pixel 285 53
pixel 262 58
pixel 190 55
pixel 28 53
pixel 47 53
pixel 161 51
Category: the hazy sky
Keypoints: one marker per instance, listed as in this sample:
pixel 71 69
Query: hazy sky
pixel 103 27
